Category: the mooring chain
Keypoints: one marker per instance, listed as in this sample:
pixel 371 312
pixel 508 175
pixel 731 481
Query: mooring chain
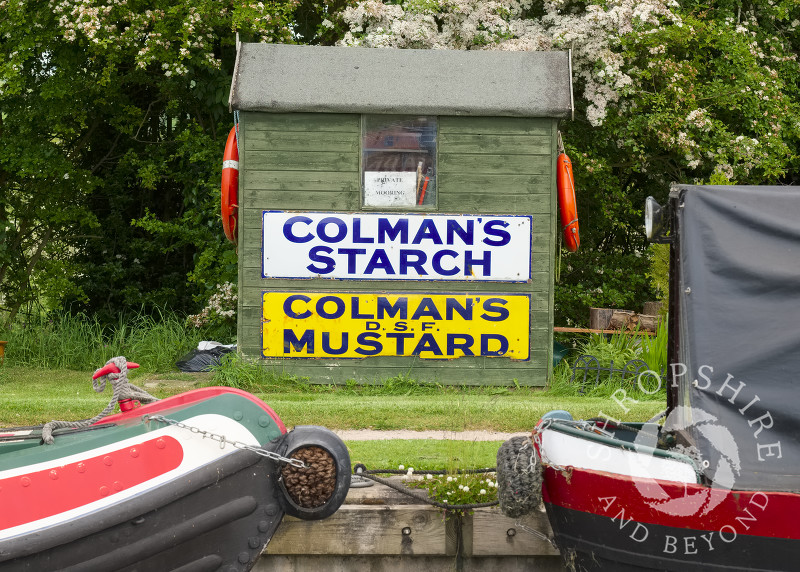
pixel 536 437
pixel 222 440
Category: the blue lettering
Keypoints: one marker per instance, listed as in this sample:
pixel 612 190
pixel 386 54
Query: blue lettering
pixel 504 237
pixel 461 342
pixel 486 338
pixel 427 231
pixel 427 309
pixel 369 339
pixel 427 343
pixel 387 308
pixel 326 344
pixel 290 340
pixel 290 236
pixel 485 262
pixel 437 263
pixel 322 229
pixel 357 238
pixel 406 262
pixel 315 255
pixel 452 304
pixel 467 235
pixel 385 229
pixel 337 313
pixel 287 306
pixel 379 261
pixel 352 253
pixel 356 314
pixel 400 340
pixel 491 305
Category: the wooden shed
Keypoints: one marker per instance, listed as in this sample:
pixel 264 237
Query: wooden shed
pixel 397 211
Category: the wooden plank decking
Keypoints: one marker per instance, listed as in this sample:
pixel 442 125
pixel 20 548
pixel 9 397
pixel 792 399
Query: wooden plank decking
pixel 381 529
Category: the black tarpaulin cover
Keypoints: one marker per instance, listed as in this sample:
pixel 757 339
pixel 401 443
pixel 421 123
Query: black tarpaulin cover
pixel 739 321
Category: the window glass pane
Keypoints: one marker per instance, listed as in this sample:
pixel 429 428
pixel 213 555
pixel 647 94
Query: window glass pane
pixel 399 161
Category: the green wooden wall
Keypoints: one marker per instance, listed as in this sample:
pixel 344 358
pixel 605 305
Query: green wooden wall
pixel 486 165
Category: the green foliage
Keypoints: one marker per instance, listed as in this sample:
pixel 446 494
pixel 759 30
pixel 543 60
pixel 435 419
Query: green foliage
pixel 79 342
pixel 658 273
pixel 114 119
pixel 618 349
pixel 424 454
pixel 217 320
pixel 459 488
pixel 654 348
pixel 235 371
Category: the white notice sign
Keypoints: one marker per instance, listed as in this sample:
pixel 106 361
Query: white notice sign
pixel 389 246
pixel 390 188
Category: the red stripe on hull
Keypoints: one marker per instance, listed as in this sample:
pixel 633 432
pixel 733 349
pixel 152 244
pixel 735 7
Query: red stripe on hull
pixel 755 513
pixel 41 494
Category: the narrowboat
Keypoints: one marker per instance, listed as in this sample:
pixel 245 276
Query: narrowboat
pixel 199 481
pixel 713 483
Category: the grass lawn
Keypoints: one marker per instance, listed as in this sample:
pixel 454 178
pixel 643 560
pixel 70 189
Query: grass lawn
pixel 33 396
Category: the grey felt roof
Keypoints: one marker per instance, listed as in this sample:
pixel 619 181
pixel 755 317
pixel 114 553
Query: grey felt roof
pixel 289 78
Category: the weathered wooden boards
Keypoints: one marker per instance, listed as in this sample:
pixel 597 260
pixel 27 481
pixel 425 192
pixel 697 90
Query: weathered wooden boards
pixel 624 320
pixel 378 521
pixel 490 166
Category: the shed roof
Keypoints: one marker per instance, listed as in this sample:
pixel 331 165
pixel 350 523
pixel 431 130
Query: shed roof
pixel 290 78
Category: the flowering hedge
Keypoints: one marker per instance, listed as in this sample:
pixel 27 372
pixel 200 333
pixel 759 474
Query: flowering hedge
pixel 666 92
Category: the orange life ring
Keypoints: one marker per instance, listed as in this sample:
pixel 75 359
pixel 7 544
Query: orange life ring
pixel 566 202
pixel 230 188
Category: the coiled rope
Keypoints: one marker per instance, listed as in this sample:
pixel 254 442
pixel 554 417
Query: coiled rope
pixel 122 389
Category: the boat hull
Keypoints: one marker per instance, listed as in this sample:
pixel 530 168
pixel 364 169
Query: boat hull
pixel 187 483
pixel 591 542
pixel 216 517
pixel 626 520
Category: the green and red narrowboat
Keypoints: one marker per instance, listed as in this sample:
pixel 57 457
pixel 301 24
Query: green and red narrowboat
pixel 199 481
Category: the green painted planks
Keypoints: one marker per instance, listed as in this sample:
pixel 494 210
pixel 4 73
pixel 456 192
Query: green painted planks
pixel 310 162
pixel 492 202
pixel 297 200
pixel 252 297
pixel 253 280
pixel 500 144
pixel 302 141
pixel 494 164
pixel 302 161
pixel 496 125
pixel 308 122
pixel 326 181
pixel 455 182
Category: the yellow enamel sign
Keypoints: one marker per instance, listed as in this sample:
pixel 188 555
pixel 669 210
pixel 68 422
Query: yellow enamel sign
pixel 432 326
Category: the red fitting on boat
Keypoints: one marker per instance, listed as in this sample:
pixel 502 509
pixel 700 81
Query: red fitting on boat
pixel 111 368
pixel 128 404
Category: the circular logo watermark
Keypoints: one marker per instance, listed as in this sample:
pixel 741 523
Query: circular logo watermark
pixel 696 501
pixel 667 481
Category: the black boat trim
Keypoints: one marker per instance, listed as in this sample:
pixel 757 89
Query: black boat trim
pixel 598 542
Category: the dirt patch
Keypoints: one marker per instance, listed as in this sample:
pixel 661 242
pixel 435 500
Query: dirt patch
pixel 172 383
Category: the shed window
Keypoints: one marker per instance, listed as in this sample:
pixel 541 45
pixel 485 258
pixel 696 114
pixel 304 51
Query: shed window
pixel 398 161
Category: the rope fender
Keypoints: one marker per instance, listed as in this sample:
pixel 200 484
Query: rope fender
pixel 519 477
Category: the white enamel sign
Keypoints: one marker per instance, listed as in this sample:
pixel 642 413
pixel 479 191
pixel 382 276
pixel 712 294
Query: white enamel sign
pixel 379 246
